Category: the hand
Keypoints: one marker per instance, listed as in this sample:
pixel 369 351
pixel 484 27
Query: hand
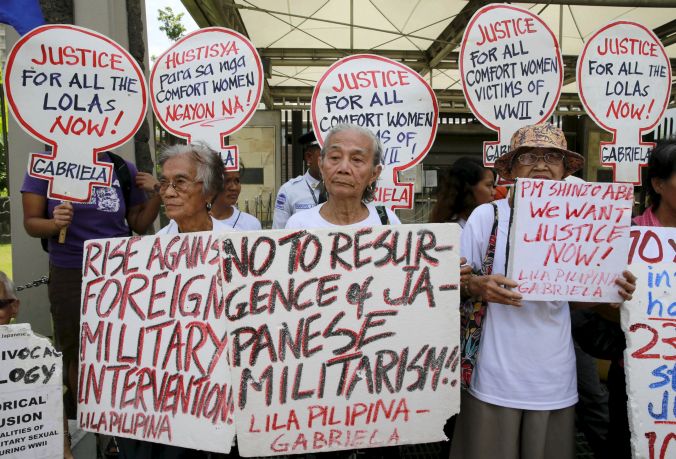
pixel 493 288
pixel 465 272
pixel 147 182
pixel 627 285
pixel 63 215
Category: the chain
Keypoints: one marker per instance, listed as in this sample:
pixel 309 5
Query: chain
pixel 43 280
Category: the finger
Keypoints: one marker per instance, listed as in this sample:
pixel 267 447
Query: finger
pixel 463 261
pixel 629 276
pixel 506 281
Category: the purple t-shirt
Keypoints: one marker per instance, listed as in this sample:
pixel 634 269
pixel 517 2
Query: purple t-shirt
pixel 103 216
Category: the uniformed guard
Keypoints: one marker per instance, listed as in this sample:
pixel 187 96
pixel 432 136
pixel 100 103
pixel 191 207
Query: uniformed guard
pixel 302 192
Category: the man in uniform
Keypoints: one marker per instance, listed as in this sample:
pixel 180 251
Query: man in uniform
pixel 302 192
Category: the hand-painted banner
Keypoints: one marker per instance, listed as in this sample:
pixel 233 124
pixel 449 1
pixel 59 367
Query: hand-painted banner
pixel 511 71
pixel 342 339
pixel 153 362
pixel 624 81
pixel 649 324
pixel 389 99
pixel 31 407
pixel 207 86
pixel 81 93
pixel 569 241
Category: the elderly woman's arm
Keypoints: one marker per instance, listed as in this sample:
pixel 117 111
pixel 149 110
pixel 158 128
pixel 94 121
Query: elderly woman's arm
pixel 493 288
pixel 141 216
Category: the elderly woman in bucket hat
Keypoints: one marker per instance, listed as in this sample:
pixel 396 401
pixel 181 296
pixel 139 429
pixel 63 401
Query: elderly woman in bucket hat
pixel 521 394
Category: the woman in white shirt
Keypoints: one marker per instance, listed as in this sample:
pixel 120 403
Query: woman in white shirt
pixel 224 208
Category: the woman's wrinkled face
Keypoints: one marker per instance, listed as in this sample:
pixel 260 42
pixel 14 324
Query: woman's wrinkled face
pixel 484 190
pixel 347 166
pixel 8 308
pixel 180 191
pixel 549 168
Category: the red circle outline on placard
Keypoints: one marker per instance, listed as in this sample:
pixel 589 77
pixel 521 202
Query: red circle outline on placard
pixel 465 37
pixel 342 61
pixel 580 76
pixel 259 89
pixel 22 41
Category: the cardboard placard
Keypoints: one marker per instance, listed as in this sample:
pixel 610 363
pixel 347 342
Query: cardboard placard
pixel 649 324
pixel 31 413
pixel 342 338
pixel 624 81
pixel 81 93
pixel 152 359
pixel 569 241
pixel 389 99
pixel 207 86
pixel 511 72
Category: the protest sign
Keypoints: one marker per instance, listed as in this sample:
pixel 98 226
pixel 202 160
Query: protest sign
pixel 624 81
pixel 153 337
pixel 568 241
pixel 649 324
pixel 511 72
pixel 389 99
pixel 342 338
pixel 81 93
pixel 31 407
pixel 207 86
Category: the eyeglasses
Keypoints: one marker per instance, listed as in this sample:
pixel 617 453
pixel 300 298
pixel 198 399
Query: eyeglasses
pixel 180 184
pixel 4 302
pixel 528 159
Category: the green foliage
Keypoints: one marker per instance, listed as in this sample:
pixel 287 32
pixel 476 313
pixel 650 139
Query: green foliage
pixel 171 23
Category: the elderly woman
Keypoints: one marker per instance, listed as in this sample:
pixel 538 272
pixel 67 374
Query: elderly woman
pixel 523 389
pixel 9 303
pixel 224 208
pixel 350 165
pixel 190 179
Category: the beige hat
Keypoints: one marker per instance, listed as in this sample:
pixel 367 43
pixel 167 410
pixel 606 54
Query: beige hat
pixel 538 136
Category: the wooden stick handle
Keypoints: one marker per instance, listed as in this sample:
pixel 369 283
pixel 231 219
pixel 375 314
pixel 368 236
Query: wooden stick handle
pixel 62 235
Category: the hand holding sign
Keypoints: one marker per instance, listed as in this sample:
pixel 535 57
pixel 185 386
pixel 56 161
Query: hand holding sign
pixel 208 86
pixel 389 99
pixel 624 80
pixel 80 92
pixel 511 71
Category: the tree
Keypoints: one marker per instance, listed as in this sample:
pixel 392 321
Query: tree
pixel 171 23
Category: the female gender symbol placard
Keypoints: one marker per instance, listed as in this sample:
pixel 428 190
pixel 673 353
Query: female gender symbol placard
pixel 207 86
pixel 80 92
pixel 511 71
pixel 624 81
pixel 389 99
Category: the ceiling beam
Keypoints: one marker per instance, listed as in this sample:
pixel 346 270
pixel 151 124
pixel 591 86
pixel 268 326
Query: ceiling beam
pixel 625 3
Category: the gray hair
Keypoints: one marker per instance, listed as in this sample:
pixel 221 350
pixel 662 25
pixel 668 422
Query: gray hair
pixel 370 191
pixel 10 289
pixel 208 164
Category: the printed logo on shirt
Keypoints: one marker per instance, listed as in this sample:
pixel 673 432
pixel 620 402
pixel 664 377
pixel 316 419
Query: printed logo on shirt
pixel 302 206
pixel 107 199
pixel 281 200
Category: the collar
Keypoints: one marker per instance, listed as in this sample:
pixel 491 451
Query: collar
pixel 313 182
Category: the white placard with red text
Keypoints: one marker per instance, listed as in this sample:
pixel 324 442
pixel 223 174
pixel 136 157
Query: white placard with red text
pixel 569 241
pixel 207 86
pixel 649 324
pixel 30 395
pixel 389 99
pixel 342 339
pixel 81 93
pixel 153 359
pixel 624 81
pixel 511 71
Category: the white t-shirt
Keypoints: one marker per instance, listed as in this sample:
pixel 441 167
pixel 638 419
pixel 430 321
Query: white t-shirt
pixel 526 357
pixel 311 218
pixel 172 227
pixel 242 221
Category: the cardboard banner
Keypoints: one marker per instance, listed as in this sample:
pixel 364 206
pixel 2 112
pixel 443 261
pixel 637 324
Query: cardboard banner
pixel 31 406
pixel 511 72
pixel 389 99
pixel 649 324
pixel 624 81
pixel 342 338
pixel 206 87
pixel 81 93
pixel 153 342
pixel 569 241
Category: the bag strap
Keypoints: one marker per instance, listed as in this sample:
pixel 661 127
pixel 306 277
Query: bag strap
pixel 487 264
pixel 123 176
pixel 382 213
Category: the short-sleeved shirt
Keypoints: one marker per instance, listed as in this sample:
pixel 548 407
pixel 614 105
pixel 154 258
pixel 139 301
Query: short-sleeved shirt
pixel 311 218
pixel 172 227
pixel 103 216
pixel 297 194
pixel 242 221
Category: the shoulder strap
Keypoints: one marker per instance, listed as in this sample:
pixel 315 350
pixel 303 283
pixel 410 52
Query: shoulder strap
pixel 487 265
pixel 382 213
pixel 123 175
